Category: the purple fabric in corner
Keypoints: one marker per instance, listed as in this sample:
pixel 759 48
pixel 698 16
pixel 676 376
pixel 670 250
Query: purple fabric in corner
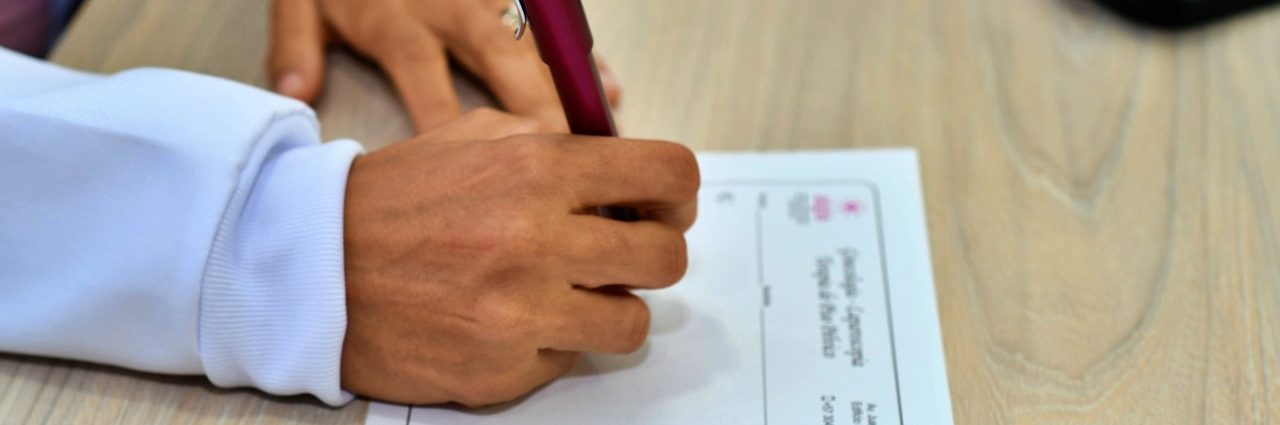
pixel 24 25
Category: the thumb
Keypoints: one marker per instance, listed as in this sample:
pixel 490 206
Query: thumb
pixel 296 60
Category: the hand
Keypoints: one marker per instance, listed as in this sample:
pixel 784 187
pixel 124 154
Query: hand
pixel 476 270
pixel 409 40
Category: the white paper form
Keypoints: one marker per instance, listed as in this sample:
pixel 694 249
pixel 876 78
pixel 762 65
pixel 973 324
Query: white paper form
pixel 809 300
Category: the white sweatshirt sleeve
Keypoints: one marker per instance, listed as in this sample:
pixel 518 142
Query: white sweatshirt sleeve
pixel 170 222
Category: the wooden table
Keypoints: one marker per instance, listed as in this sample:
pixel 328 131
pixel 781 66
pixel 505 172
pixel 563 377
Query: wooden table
pixel 1104 201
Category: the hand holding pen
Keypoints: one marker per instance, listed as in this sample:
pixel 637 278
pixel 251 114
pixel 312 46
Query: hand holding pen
pixel 475 271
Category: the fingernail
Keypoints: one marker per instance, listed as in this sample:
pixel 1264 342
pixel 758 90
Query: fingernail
pixel 290 84
pixel 611 88
pixel 607 80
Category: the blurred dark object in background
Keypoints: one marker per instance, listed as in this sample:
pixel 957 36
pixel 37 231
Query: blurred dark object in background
pixel 24 25
pixel 1174 14
pixel 33 26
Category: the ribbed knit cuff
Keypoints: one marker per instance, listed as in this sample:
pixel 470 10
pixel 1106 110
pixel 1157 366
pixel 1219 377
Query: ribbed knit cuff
pixel 273 306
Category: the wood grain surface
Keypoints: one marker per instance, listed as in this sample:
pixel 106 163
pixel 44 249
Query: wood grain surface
pixel 1103 201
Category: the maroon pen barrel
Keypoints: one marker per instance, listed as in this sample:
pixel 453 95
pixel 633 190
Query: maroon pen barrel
pixel 585 106
pixel 564 42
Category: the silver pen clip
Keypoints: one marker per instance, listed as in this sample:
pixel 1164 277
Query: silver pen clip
pixel 516 18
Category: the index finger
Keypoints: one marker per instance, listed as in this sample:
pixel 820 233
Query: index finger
pixel 296 56
pixel 409 53
pixel 511 69
pixel 419 69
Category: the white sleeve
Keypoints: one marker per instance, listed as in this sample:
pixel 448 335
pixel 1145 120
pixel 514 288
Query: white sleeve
pixel 171 222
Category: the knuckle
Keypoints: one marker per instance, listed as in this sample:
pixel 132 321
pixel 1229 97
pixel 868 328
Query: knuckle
pixel 636 328
pixel 685 168
pixel 522 236
pixel 501 321
pixel 502 242
pixel 682 165
pixel 532 149
pixel 675 261
pixel 531 161
pixel 501 311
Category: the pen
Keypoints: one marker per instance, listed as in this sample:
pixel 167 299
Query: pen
pixel 564 43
